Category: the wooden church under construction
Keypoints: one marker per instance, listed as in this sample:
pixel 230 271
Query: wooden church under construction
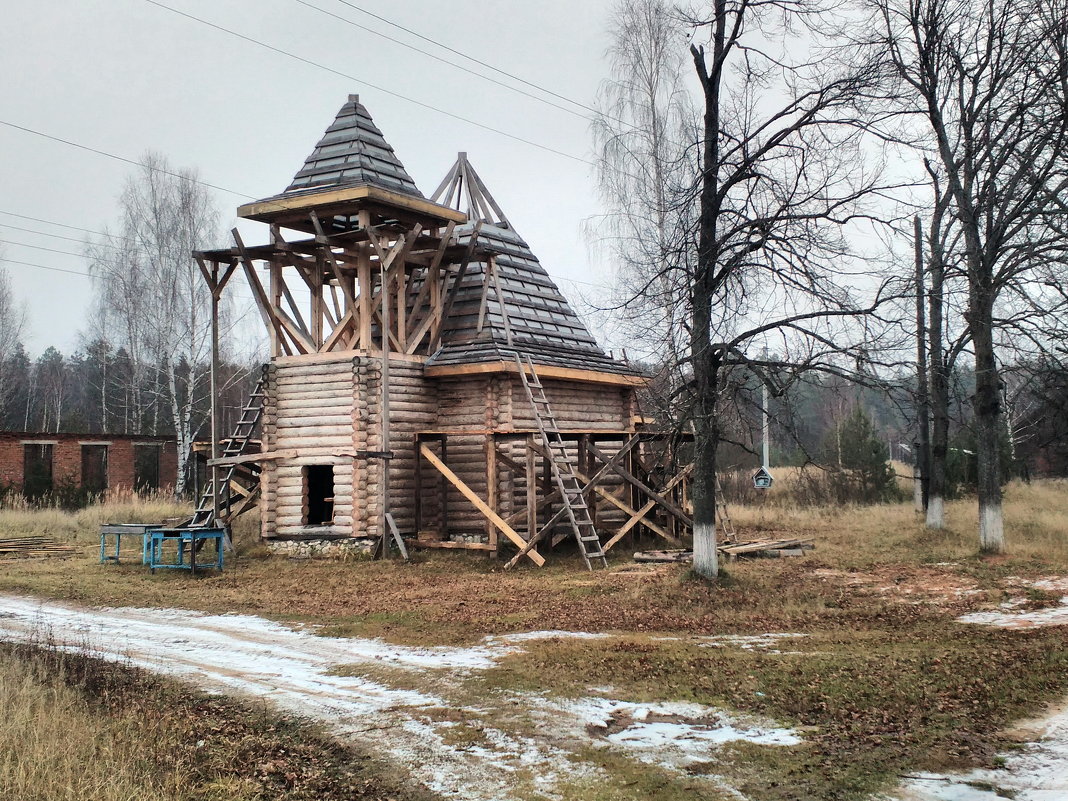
pixel 429 385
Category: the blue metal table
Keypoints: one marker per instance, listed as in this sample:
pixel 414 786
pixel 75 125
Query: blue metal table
pixel 191 540
pixel 118 531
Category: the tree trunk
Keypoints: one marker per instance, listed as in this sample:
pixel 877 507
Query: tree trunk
pixel 987 406
pixel 923 409
pixel 939 391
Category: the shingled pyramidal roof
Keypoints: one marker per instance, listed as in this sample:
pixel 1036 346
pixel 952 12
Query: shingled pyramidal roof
pixel 353 152
pixel 524 309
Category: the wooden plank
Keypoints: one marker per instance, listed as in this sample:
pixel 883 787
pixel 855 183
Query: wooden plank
pixel 479 504
pixel 464 546
pixel 544 371
pixel 491 487
pixel 638 516
pixel 630 479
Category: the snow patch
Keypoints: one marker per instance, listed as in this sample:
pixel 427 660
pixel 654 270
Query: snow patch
pixel 670 734
pixel 297 670
pixel 1038 772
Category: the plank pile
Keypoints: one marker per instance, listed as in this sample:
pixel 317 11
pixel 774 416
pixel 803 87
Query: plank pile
pixel 781 547
pixel 759 548
pixel 15 547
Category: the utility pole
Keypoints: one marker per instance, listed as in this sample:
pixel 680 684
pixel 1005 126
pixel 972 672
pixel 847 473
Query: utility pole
pixel 766 425
pixel 923 410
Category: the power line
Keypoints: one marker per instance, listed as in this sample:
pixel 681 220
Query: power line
pixel 123 158
pixel 55 236
pixel 117 247
pixel 382 89
pixel 41 247
pixel 481 63
pixel 43 267
pixel 453 64
pixel 61 225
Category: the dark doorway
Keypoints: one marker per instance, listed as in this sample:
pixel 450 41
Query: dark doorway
pixel 94 468
pixel 146 467
pixel 36 469
pixel 319 494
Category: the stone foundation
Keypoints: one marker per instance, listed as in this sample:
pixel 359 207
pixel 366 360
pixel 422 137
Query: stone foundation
pixel 469 538
pixel 349 548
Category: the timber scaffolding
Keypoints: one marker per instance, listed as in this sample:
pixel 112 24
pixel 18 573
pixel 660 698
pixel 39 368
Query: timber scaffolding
pixel 427 377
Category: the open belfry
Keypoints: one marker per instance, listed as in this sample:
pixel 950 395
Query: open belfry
pixel 429 385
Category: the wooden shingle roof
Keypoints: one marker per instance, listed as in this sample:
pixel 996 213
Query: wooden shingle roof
pixel 507 302
pixel 353 152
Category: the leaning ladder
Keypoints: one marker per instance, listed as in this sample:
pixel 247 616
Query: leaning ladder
pixel 237 445
pixel 726 527
pixel 575 506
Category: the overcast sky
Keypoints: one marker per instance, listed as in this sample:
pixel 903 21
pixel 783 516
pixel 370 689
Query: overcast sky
pixel 127 76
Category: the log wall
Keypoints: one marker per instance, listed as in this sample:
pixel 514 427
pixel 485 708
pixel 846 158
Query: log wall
pixel 330 412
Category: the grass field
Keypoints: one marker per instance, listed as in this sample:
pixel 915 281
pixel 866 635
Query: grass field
pixel 884 683
pixel 73 728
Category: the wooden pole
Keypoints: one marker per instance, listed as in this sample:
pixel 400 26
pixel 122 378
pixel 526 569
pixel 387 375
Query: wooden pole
pixel 923 447
pixel 384 382
pixel 491 490
pixel 215 289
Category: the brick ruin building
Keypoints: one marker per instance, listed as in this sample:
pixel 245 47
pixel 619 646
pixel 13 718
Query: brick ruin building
pixel 427 378
pixel 36 464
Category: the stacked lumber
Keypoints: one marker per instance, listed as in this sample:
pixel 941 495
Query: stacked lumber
pixel 13 547
pixel 760 548
pixel 755 546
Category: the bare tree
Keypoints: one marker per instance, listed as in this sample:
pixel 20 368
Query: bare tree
pixel 12 325
pixel 151 295
pixel 754 249
pixel 989 80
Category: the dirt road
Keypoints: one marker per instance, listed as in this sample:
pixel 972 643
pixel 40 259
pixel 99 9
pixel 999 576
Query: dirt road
pixel 408 702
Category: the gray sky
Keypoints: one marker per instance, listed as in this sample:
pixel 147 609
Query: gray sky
pixel 126 76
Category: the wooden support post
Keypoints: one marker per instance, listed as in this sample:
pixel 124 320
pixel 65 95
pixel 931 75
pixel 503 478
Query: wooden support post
pixel 418 489
pixel 532 489
pixel 443 490
pixel 491 490
pixel 479 504
pixel 383 481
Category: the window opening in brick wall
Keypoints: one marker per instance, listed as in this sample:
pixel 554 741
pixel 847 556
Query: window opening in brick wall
pixel 36 469
pixel 318 495
pixel 94 468
pixel 146 466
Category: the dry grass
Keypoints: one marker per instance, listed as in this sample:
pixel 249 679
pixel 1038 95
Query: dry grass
pixel 885 683
pixel 448 598
pixel 54 747
pixel 75 728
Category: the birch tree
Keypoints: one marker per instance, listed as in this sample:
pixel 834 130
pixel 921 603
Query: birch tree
pixel 150 292
pixel 12 325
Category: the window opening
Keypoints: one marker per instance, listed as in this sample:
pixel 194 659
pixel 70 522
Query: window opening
pixel 36 469
pixel 146 467
pixel 94 468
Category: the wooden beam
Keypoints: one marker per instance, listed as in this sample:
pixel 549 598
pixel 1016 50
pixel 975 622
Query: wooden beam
pixel 638 516
pixel 630 479
pixel 544 371
pixel 479 504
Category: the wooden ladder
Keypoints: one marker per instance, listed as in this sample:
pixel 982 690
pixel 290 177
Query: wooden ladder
pixel 723 518
pixel 576 508
pixel 237 445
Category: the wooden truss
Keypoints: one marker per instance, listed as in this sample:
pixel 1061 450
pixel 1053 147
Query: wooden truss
pixel 626 491
pixel 349 279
